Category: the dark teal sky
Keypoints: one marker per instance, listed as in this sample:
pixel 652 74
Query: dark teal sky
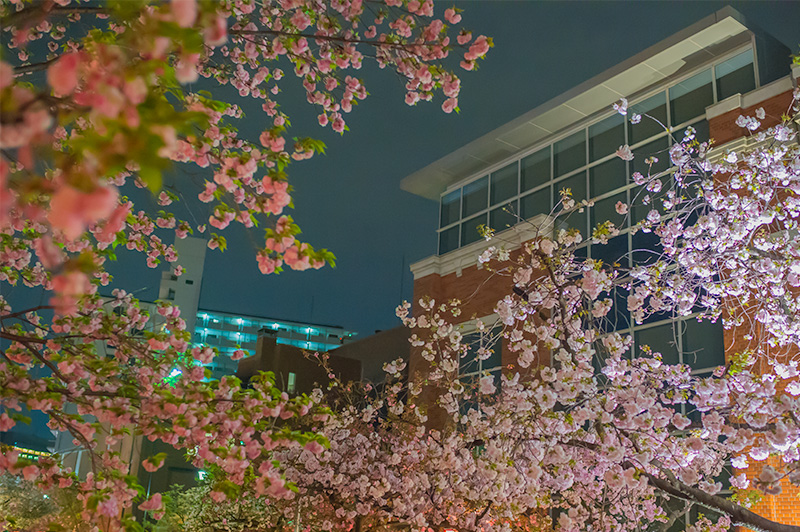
pixel 350 199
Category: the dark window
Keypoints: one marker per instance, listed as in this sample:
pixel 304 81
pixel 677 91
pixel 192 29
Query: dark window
pixel 501 218
pixel 735 76
pixel 536 203
pixel 173 277
pixel 535 169
pixel 470 230
pixel 606 136
pixel 572 220
pixel 646 248
pixel 654 107
pixel 470 363
pixel 189 281
pixel 690 98
pixel 569 154
pixel 701 132
pixel 577 186
pixel 661 339
pixel 451 207
pixel 448 240
pixel 171 294
pixel 615 251
pixel 606 210
pixel 503 184
pixel 608 176
pixel 659 149
pixel 475 197
pixel 703 344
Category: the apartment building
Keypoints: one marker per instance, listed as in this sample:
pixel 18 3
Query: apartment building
pixel 703 77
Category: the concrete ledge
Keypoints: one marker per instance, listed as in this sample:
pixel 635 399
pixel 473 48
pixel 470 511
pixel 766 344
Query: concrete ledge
pixel 458 259
pixel 752 98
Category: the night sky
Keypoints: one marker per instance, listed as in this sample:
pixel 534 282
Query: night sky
pixel 350 201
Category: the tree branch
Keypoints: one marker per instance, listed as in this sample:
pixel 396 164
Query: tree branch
pixel 739 514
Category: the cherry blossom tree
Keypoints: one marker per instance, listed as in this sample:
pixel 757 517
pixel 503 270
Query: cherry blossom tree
pixel 577 433
pixel 97 98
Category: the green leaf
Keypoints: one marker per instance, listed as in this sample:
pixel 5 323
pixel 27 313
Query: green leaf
pixel 152 177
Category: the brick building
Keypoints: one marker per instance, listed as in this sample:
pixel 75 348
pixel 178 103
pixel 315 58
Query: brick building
pixel 704 77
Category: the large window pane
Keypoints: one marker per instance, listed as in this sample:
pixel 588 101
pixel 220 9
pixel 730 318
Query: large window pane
pixel 655 107
pixel 615 251
pixel 535 169
pixel 470 229
pixel 475 197
pixel 735 76
pixel 503 184
pixel 701 132
pixel 659 149
pixel 451 206
pixel 606 136
pixel 703 344
pixel 608 176
pixel 661 339
pixel 574 219
pixel 690 98
pixel 606 210
pixel 575 184
pixel 448 240
pixel 501 218
pixel 569 154
pixel 646 248
pixel 470 363
pixel 536 203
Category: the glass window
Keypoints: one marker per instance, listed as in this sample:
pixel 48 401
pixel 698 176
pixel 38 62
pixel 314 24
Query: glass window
pixel 606 210
pixel 576 184
pixel 535 169
pixel 606 136
pixel 735 76
pixel 618 317
pixel 690 98
pixel 608 176
pixel 451 205
pixel 646 248
pixel 701 132
pixel 655 107
pixel 614 251
pixel 703 344
pixel 569 154
pixel 470 230
pixel 475 197
pixel 291 382
pixel 572 220
pixel 661 339
pixel 659 149
pixel 536 203
pixel 503 184
pixel 448 240
pixel 470 363
pixel 501 218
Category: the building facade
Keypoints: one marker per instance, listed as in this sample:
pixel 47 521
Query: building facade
pixel 229 332
pixel 510 180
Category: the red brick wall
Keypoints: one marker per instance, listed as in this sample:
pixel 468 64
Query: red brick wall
pixel 785 507
pixel 723 128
